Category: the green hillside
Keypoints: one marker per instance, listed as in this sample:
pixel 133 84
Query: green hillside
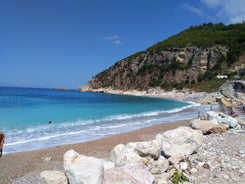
pixel 207 35
pixel 191 59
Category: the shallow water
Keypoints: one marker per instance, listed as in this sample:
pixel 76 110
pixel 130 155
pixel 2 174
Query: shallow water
pixel 77 117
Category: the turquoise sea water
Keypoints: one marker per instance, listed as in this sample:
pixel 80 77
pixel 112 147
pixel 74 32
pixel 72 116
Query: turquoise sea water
pixel 77 117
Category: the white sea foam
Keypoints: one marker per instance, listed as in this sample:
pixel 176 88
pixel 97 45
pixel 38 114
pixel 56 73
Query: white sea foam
pixel 54 134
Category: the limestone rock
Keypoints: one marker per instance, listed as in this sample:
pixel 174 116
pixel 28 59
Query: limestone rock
pixel 53 177
pixel 214 117
pixel 150 148
pixel 125 154
pixel 183 166
pixel 208 127
pixel 181 141
pixel 230 121
pixel 128 174
pixel 157 166
pixel 82 169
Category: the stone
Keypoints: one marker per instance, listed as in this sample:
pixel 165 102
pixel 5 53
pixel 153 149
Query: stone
pixel 53 177
pixel 82 169
pixel 162 178
pixel 158 166
pixel 180 142
pixel 207 126
pixel 108 164
pixel 230 121
pixel 193 170
pixel 183 166
pixel 214 117
pixel 128 174
pixel 126 154
pixel 173 160
pixel 150 148
pixel 206 166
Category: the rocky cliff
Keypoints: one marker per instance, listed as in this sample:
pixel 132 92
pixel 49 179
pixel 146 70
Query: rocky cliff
pixel 192 56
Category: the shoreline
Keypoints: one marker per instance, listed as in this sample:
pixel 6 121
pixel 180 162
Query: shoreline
pixel 187 112
pixel 29 164
pixel 16 166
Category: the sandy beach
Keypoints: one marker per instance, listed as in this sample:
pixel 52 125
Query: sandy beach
pixel 18 167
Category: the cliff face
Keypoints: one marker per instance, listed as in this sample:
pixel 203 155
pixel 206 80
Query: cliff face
pixel 197 54
pixel 162 68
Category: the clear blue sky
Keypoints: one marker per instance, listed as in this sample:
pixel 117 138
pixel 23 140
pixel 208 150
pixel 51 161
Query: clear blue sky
pixel 64 43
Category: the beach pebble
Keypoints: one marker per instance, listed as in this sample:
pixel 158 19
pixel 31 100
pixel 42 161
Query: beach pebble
pixel 183 166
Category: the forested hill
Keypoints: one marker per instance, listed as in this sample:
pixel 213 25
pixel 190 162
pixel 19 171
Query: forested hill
pixel 189 59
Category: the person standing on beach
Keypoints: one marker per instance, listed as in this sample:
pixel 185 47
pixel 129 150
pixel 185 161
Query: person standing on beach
pixel 2 137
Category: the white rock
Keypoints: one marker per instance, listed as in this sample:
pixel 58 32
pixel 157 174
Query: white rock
pixel 182 141
pixel 108 164
pixel 207 127
pixel 230 121
pixel 82 169
pixel 193 170
pixel 150 148
pixel 214 116
pixel 128 174
pixel 183 166
pixel 53 177
pixel 158 166
pixel 126 154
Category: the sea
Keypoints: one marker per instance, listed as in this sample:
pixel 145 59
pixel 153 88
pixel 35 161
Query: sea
pixel 33 119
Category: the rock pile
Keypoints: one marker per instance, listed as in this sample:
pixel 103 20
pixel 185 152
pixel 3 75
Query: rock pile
pixel 184 150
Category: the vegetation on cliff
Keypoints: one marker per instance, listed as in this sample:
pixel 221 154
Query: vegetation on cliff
pixel 189 59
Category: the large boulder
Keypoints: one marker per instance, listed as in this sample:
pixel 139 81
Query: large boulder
pixel 82 169
pixel 230 121
pixel 125 154
pixel 180 142
pixel 220 117
pixel 208 127
pixel 150 148
pixel 128 174
pixel 53 177
pixel 136 152
pixel 214 116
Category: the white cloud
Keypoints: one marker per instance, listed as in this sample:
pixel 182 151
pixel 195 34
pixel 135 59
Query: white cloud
pixel 212 3
pixel 193 9
pixel 117 42
pixel 114 39
pixel 230 11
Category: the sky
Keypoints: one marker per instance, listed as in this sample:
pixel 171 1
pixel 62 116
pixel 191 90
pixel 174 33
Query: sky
pixel 64 43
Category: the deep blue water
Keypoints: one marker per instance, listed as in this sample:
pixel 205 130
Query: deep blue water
pixel 77 117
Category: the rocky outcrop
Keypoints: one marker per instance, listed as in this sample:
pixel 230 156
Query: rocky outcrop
pixel 182 150
pixel 162 68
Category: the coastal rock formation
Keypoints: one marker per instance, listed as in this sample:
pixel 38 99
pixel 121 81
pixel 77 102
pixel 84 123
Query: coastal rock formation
pixel 53 177
pixel 83 169
pixel 181 142
pixel 163 68
pixel 198 158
